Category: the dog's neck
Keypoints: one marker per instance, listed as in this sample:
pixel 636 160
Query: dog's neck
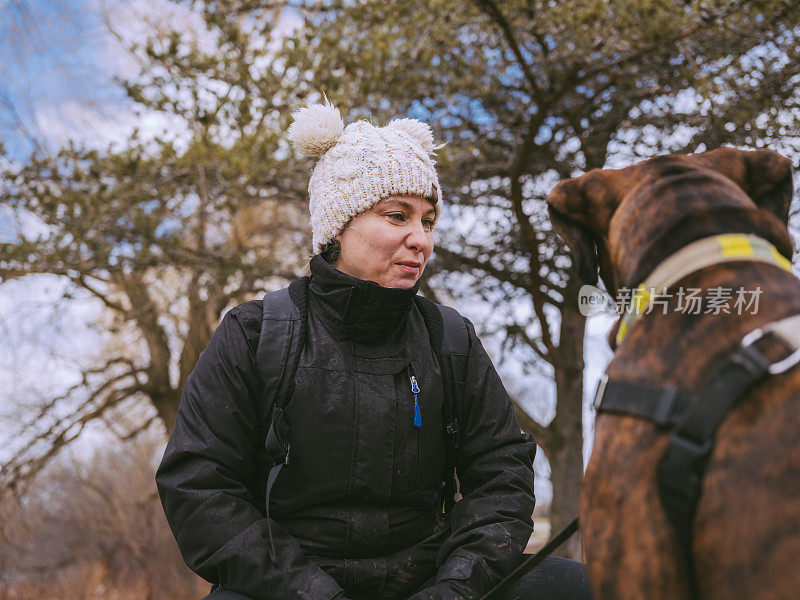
pixel 698 225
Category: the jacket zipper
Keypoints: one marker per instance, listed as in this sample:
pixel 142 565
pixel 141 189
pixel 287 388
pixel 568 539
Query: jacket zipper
pixel 415 391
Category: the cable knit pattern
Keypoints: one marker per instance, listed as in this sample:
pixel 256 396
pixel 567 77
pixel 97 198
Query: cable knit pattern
pixel 361 166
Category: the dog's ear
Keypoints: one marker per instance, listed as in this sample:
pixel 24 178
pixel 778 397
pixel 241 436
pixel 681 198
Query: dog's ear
pixel 769 182
pixel 764 175
pixel 577 236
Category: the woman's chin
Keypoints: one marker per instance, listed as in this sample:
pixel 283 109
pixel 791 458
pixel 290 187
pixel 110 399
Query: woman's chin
pixel 400 283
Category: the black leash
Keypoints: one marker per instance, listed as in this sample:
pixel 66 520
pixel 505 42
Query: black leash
pixel 530 562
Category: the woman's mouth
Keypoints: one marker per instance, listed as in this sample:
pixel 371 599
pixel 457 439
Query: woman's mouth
pixel 409 267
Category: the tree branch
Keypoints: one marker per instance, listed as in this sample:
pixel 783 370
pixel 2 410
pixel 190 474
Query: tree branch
pixel 494 13
pixel 706 18
pixel 519 280
pixel 528 425
pixel 518 331
pixel 529 236
pixel 26 462
pixel 82 282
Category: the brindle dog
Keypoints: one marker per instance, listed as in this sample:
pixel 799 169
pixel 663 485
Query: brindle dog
pixel 746 531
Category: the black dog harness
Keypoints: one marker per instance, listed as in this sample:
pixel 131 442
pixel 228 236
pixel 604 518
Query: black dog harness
pixel 693 418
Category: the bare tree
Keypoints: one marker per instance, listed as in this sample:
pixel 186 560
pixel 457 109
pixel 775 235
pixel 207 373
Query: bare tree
pixel 164 234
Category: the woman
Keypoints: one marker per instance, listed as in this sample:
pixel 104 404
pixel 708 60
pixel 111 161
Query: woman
pixel 357 511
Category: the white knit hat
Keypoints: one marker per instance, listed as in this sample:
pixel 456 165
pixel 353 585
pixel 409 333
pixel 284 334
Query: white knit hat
pixel 360 165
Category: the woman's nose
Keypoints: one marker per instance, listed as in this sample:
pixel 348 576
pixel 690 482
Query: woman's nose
pixel 418 238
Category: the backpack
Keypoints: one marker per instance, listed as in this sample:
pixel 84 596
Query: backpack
pixel 283 331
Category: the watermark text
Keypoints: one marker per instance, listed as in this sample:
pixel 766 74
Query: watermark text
pixel 690 301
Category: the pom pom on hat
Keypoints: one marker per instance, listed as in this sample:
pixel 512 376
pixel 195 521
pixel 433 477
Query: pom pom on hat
pixel 418 130
pixel 316 128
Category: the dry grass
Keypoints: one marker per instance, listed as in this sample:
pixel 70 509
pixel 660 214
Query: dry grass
pixel 93 530
pixel 92 582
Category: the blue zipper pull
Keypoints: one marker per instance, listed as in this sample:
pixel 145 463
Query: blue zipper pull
pixel 417 413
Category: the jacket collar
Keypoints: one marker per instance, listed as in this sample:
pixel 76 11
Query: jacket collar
pixel 357 310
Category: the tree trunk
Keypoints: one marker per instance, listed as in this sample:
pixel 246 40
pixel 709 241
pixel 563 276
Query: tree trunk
pixel 566 466
pixel 566 449
pixel 167 407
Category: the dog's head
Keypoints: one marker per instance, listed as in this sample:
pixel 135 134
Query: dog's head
pixel 605 216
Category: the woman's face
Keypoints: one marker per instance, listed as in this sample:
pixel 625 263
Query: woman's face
pixel 390 243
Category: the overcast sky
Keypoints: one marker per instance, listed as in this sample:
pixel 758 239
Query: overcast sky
pixel 58 64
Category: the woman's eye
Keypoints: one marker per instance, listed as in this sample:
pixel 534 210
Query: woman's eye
pixel 428 224
pixel 397 216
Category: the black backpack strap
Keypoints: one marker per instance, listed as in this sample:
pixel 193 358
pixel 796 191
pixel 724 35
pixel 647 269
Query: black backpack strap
pixel 277 346
pixel 450 343
pixel 456 351
pixel 284 323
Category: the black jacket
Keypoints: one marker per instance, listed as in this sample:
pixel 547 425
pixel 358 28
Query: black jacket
pixel 356 507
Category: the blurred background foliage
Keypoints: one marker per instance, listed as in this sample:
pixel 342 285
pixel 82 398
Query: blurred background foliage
pixel 165 231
